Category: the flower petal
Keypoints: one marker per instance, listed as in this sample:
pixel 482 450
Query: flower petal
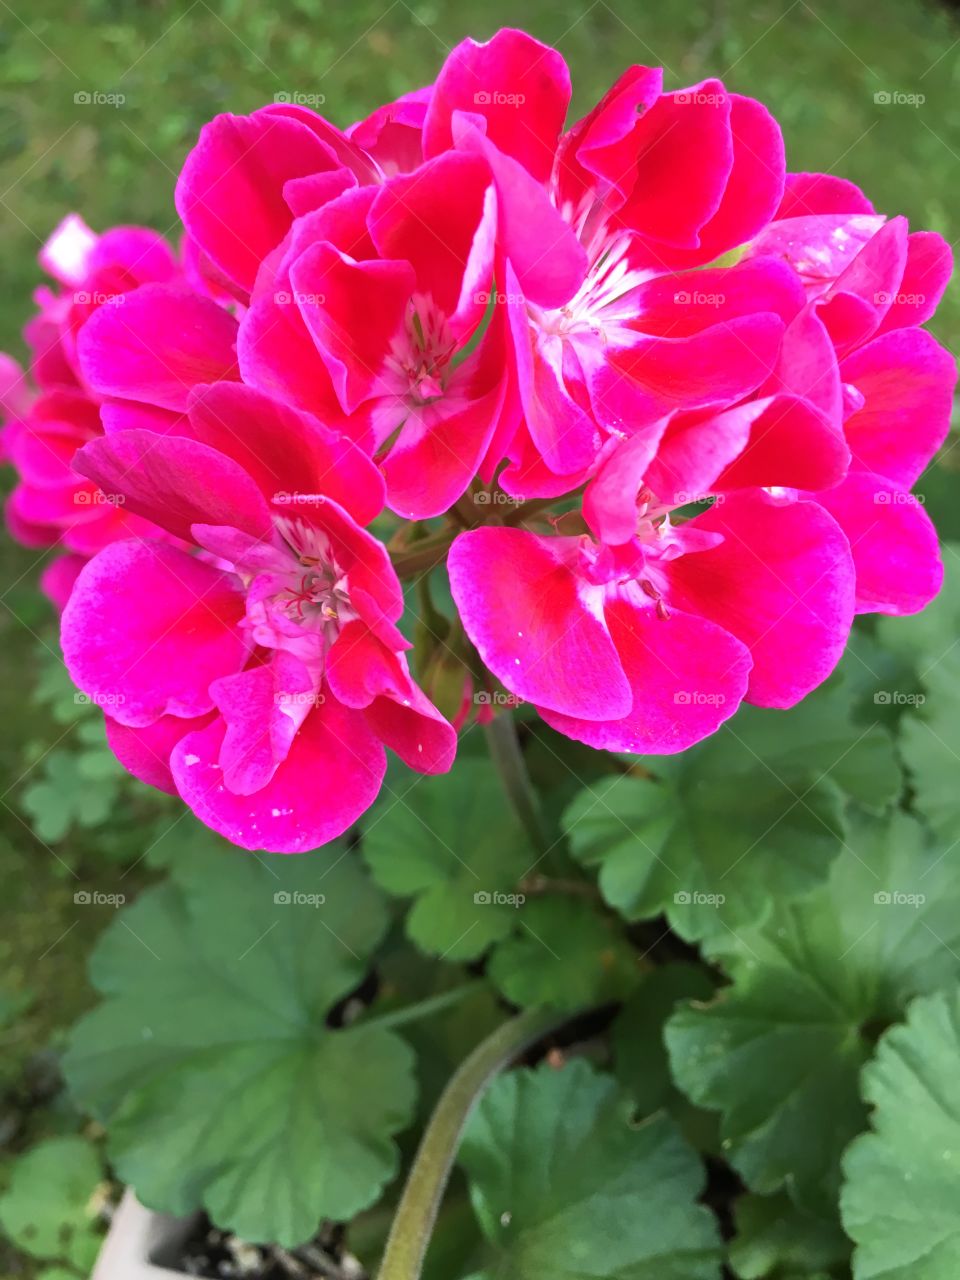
pixel 148 627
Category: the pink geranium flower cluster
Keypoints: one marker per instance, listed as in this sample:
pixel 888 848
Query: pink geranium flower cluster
pixel 658 403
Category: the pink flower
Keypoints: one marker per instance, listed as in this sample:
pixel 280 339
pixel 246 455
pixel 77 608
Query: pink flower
pixel 52 505
pixel 367 320
pixel 595 225
pixel 644 635
pixel 262 678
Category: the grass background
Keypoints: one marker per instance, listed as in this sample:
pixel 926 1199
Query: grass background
pixel 817 65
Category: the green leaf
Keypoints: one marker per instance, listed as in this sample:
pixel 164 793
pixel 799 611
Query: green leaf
pixel 902 1181
pixel 212 1061
pixel 777 1241
pixel 565 1186
pixel 930 743
pixel 566 956
pixel 453 844
pixel 779 1052
pixel 640 1057
pixel 46 1210
pixel 752 815
pixel 64 796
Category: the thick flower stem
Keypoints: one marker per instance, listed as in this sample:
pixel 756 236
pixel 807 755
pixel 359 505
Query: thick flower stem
pixel 420 1202
pixel 504 747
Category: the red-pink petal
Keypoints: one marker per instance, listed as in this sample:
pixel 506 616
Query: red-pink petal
pixel 332 775
pixel 520 88
pixel 893 542
pixel 175 482
pixel 230 191
pixel 782 581
pixel 363 673
pixel 290 455
pixel 907 381
pixel 687 676
pixel 145 752
pixel 158 345
pixel 147 628
pixel 520 603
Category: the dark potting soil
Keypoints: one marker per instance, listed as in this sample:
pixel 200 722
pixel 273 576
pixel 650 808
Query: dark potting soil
pixel 219 1255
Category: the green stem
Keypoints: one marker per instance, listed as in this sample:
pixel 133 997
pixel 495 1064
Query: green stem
pixel 424 1008
pixel 504 747
pixel 420 1202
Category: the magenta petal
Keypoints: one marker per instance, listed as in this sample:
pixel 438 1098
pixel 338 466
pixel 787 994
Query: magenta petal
pixel 290 455
pixel 277 355
pixel 148 627
pixel 687 676
pixel 145 752
pixel 262 708
pixel 363 673
pixel 610 501
pixel 157 346
pixel 655 376
pixel 175 482
pixel 893 542
pixel 230 192
pixel 431 466
pixel 543 249
pixel 682 157
pixel 926 275
pixel 442 220
pixel 521 89
pixel 58 578
pixel 331 776
pixel 906 379
pixel 791 445
pixel 519 598
pixel 755 185
pixel 353 311
pixel 782 581
pixel 812 193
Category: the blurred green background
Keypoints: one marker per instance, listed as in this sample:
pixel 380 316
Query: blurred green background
pixel 818 66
